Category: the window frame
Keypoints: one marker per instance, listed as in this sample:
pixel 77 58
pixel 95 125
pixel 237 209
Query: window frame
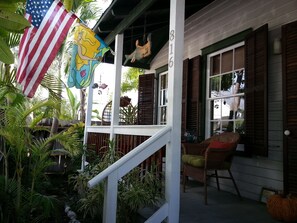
pixel 232 40
pixel 209 99
pixel 160 94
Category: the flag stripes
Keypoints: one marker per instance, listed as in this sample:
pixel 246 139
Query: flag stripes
pixel 39 46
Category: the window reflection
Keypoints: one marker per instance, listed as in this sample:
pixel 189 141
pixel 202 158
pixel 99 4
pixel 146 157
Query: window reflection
pixel 226 90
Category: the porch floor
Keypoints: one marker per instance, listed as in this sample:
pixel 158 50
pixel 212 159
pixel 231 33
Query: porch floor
pixel 223 207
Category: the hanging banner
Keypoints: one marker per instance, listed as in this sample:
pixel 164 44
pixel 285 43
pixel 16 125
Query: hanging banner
pixel 88 51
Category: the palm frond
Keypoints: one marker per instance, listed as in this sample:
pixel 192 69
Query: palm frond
pixel 13 39
pixel 53 85
pixel 44 207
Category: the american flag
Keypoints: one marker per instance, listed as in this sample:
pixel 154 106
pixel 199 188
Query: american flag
pixel 50 23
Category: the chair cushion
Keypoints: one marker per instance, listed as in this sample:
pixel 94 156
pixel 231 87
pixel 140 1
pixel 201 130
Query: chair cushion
pixel 221 145
pixel 193 160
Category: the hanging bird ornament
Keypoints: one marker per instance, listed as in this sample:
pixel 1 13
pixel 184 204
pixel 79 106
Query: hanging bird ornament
pixel 141 51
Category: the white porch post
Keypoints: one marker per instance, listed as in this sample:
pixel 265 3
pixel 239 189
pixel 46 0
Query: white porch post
pixel 111 185
pixel 87 121
pixel 175 68
pixel 117 85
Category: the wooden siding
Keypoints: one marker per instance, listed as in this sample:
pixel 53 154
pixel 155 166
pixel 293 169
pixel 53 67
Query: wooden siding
pixel 222 19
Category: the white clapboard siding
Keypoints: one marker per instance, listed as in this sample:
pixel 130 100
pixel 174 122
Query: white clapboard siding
pixel 222 19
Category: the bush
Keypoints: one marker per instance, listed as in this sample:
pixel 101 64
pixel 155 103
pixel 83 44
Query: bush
pixel 138 189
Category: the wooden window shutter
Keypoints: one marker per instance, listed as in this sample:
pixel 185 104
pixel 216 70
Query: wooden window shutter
pixel 184 96
pixel 146 99
pixel 193 95
pixel 256 92
pixel 289 60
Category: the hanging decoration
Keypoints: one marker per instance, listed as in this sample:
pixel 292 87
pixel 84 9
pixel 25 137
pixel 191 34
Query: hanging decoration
pixel 87 53
pixel 141 51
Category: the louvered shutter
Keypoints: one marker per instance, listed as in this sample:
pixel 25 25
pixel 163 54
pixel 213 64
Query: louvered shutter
pixel 184 96
pixel 193 95
pixel 256 91
pixel 145 99
pixel 289 59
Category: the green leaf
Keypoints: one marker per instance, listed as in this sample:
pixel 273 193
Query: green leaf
pixel 6 55
pixel 8 7
pixel 10 1
pixel 12 21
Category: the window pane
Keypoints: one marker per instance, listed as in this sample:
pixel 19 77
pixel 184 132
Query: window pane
pixel 239 81
pixel 214 87
pixel 226 84
pixel 163 84
pixel 215 65
pixel 215 109
pixel 163 117
pixel 239 58
pixel 241 109
pixel 239 126
pixel 215 128
pixel 227 126
pixel 225 108
pixel 163 97
pixel 227 61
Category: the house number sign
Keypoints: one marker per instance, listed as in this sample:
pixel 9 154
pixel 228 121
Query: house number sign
pixel 171 38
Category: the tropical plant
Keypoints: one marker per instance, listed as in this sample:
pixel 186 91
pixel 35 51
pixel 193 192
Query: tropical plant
pixel 26 156
pixel 97 114
pixel 128 114
pixel 12 23
pixel 130 79
pixel 139 188
pixel 74 104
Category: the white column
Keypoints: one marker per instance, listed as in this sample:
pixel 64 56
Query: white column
pixel 110 199
pixel 117 85
pixel 175 72
pixel 87 121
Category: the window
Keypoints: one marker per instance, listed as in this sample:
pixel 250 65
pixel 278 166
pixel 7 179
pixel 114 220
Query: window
pixel 225 98
pixel 163 98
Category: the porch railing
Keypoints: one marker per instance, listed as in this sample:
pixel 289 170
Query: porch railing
pixel 124 165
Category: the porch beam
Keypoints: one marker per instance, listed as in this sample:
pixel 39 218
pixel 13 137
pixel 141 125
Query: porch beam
pixel 133 15
pixel 175 74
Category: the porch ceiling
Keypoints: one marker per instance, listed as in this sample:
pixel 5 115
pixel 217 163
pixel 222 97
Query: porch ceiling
pixel 136 19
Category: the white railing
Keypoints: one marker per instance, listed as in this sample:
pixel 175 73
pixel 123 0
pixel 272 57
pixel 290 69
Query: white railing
pixel 121 167
pixel 139 130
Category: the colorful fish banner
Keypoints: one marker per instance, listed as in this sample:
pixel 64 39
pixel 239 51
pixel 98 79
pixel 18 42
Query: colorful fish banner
pixel 87 53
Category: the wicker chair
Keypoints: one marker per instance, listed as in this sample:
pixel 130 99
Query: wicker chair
pixel 213 154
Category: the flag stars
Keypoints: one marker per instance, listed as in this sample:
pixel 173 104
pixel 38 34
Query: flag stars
pixel 37 9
